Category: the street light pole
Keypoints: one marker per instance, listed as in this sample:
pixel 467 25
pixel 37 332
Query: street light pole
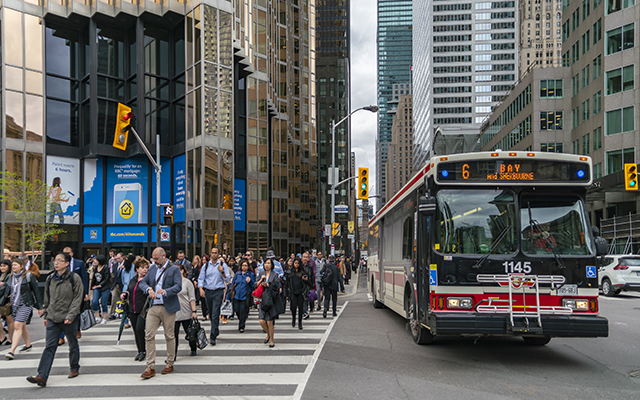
pixel 334 179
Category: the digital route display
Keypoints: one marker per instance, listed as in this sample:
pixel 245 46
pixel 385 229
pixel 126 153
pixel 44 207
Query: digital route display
pixel 500 170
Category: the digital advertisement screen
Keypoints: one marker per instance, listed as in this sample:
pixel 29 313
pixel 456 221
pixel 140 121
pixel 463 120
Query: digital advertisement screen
pixel 495 170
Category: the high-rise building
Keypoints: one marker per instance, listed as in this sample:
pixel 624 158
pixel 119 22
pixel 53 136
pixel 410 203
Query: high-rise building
pixel 228 89
pixel 333 103
pixel 400 163
pixel 465 58
pixel 395 28
pixel 540 34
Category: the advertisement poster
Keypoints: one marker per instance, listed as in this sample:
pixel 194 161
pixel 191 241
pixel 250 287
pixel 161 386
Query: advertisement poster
pixel 179 188
pixel 127 192
pixel 63 178
pixel 93 191
pixel 239 204
pixel 127 234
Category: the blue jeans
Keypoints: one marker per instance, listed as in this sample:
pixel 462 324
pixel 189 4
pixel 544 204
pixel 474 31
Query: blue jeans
pixel 54 330
pixel 213 299
pixel 100 299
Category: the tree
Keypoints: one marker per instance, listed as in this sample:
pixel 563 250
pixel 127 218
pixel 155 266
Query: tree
pixel 29 202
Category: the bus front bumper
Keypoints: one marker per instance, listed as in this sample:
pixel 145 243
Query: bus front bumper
pixel 459 324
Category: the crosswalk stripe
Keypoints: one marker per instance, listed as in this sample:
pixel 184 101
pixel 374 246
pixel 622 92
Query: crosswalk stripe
pixel 174 379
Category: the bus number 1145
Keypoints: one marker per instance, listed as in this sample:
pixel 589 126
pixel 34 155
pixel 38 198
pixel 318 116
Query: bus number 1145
pixel 519 267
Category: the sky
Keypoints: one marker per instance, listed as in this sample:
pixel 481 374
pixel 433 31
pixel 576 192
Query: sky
pixel 364 84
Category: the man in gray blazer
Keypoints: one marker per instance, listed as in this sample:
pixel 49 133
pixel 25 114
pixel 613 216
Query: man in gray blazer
pixel 163 282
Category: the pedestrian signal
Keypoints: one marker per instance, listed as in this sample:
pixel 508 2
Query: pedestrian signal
pixel 363 183
pixel 631 176
pixel 123 123
pixel 168 214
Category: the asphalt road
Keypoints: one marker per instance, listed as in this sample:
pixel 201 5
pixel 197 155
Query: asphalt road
pixel 370 354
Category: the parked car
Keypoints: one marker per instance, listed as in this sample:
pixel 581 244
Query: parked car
pixel 619 273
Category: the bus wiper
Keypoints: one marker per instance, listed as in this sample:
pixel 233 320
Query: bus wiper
pixel 548 243
pixel 495 244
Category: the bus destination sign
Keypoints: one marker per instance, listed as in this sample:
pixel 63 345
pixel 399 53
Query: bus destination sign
pixel 496 170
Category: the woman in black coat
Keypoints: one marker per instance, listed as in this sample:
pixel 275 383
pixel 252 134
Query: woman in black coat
pixel 137 297
pixel 271 305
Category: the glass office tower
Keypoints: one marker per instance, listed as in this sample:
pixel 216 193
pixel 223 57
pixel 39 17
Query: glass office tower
pixel 232 107
pixel 394 66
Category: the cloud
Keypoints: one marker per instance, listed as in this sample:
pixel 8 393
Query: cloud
pixel 364 83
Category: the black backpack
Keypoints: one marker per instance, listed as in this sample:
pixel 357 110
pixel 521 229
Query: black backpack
pixel 326 276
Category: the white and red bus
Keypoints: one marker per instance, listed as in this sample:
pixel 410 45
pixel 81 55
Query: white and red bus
pixel 490 244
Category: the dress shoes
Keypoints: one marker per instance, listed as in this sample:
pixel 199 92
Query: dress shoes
pixel 60 341
pixel 167 370
pixel 148 373
pixel 73 374
pixel 38 380
pixel 79 335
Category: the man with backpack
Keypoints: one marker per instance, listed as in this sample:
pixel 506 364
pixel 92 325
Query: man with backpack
pixel 63 296
pixel 329 278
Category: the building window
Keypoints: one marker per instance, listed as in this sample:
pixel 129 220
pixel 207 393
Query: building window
pixel 620 79
pixel 617 5
pixel 597 66
pixel 551 88
pixel 585 76
pixel 575 119
pixel 620 120
pixel 620 39
pixel 597 31
pixel 551 120
pixel 597 171
pixel 597 102
pixel 597 138
pixel 586 144
pixel 585 110
pixel 575 84
pixel 617 158
pixel 552 147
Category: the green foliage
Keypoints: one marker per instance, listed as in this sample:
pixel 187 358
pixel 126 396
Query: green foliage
pixel 29 201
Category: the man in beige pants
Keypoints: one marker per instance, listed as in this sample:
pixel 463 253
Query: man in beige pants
pixel 163 282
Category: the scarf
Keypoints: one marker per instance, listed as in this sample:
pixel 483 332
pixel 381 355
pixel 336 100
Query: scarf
pixel 16 286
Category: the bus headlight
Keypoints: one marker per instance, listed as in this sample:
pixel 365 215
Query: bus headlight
pixel 460 302
pixel 578 305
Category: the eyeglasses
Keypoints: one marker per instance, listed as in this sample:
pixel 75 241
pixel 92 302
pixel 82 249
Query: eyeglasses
pixel 247 255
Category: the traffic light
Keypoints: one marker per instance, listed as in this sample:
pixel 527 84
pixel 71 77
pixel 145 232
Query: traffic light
pixel 631 176
pixel 123 123
pixel 335 229
pixel 363 183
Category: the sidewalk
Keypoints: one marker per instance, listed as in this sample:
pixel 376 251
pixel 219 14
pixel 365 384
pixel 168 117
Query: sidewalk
pixel 352 287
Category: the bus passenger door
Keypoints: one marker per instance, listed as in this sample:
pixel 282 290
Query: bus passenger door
pixel 422 267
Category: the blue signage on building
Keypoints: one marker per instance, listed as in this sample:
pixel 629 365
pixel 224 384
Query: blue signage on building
pixel 165 186
pixel 93 191
pixel 239 204
pixel 92 234
pixel 179 188
pixel 127 192
pixel 125 233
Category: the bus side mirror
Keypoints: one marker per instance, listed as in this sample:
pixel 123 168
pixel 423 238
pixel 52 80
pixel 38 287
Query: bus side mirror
pixel 601 243
pixel 427 206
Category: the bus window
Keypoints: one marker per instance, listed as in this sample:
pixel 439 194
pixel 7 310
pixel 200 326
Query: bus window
pixel 475 221
pixel 407 238
pixel 552 223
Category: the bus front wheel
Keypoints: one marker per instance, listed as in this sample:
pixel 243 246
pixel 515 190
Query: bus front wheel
pixel 420 334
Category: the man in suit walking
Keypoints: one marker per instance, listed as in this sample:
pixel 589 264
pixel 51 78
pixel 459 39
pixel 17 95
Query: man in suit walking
pixel 78 267
pixel 163 282
pixel 182 260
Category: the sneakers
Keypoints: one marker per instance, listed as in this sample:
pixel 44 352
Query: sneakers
pixel 98 321
pixel 103 322
pixel 324 314
pixel 9 356
pixel 26 349
pixel 224 321
pixel 305 316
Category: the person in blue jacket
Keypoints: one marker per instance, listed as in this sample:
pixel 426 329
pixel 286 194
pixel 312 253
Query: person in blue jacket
pixel 244 280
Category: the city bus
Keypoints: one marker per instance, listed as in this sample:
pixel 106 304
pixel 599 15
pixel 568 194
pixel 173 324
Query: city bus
pixel 490 244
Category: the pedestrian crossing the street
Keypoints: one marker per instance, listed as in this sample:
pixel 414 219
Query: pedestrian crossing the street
pixel 240 366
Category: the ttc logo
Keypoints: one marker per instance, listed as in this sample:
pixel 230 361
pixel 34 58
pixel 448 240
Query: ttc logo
pixel 126 209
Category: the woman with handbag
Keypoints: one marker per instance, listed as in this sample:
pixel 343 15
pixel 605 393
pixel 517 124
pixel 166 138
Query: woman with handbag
pixel 5 309
pixel 297 288
pixel 271 305
pixel 137 305
pixel 187 312
pixel 24 293
pixel 101 286
pixel 241 286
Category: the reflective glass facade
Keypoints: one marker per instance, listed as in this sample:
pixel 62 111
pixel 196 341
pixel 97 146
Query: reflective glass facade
pixel 394 66
pixel 233 109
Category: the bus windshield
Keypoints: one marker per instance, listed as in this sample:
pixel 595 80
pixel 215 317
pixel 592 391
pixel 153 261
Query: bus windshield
pixel 554 224
pixel 476 221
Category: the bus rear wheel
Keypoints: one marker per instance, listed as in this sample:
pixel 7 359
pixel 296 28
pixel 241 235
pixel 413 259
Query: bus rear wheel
pixel 536 341
pixel 376 303
pixel 420 334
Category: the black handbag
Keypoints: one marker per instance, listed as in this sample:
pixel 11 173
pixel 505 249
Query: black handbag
pixel 145 308
pixel 192 331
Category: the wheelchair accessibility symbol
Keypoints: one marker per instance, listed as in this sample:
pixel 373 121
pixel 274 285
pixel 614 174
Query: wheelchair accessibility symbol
pixel 433 277
pixel 591 271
